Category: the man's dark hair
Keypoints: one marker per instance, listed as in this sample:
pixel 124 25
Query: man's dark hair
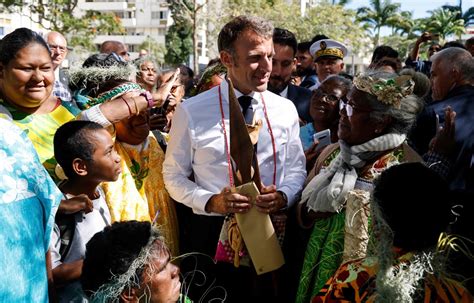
pixel 414 201
pixel 469 42
pixel 71 141
pixel 318 37
pixel 383 51
pixel 285 37
pixel 233 29
pixel 453 44
pixel 18 39
pixel 304 46
pixel 111 252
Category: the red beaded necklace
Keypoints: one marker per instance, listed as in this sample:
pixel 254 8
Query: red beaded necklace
pixel 227 150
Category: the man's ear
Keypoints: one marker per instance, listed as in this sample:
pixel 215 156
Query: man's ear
pixel 79 166
pixel 226 58
pixel 129 295
pixel 342 67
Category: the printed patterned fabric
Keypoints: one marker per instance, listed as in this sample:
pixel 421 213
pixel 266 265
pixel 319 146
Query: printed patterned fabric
pixel 41 128
pixel 323 256
pixel 28 202
pixel 354 282
pixel 139 193
pixel 326 244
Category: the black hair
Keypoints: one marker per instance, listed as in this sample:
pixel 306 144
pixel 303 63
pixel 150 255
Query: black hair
pixel 18 39
pixel 102 60
pixel 304 46
pixel 111 252
pixel 71 141
pixel 453 44
pixel 414 201
pixel 383 51
pixel 285 37
pixel 318 37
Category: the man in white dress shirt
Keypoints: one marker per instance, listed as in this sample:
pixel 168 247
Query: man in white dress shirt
pixel 197 145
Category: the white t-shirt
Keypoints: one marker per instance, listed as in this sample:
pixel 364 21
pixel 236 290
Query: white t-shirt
pixel 87 225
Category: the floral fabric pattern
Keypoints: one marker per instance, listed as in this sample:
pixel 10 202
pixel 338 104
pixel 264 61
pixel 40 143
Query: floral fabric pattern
pixel 28 202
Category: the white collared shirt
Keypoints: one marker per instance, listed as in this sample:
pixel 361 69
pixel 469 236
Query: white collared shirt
pixel 284 93
pixel 197 146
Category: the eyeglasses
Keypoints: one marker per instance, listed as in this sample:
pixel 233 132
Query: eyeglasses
pixel 327 97
pixel 350 109
pixel 174 88
pixel 61 49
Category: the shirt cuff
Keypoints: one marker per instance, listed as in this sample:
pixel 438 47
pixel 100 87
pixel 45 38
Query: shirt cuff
pixel 199 203
pixel 94 114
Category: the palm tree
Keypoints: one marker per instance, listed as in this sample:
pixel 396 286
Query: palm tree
pixel 340 2
pixel 378 15
pixel 444 22
pixel 467 16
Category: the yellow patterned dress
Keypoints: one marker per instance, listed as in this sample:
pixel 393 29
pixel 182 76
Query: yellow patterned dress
pixel 40 129
pixel 139 193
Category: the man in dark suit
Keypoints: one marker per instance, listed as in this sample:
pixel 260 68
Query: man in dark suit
pixel 284 43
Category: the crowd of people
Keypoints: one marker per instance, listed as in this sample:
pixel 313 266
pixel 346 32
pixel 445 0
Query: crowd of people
pixel 270 176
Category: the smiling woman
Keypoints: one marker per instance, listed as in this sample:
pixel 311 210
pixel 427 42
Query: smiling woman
pixel 26 86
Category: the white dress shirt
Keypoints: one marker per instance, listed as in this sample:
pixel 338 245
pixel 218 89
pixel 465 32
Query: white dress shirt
pixel 284 93
pixel 197 145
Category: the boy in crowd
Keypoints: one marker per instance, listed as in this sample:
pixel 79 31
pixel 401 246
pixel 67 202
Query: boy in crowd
pixel 85 151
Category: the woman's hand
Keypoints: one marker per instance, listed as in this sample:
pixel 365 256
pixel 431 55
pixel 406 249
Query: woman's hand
pixel 75 204
pixel 164 90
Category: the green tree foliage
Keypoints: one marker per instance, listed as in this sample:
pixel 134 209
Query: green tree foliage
pixel 179 44
pixel 155 50
pixel 444 22
pixel 380 13
pixel 57 15
pixel 333 21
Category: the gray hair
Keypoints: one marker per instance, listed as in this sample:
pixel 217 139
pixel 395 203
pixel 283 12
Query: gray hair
pixel 460 60
pixel 233 29
pixel 139 61
pixel 403 117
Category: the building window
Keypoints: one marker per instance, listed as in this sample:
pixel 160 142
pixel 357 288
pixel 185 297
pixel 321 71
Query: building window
pixel 162 15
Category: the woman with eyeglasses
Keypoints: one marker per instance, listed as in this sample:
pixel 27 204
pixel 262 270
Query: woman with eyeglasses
pixel 379 112
pixel 324 110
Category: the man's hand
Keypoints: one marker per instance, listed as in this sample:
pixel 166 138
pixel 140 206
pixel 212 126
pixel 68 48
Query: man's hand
pixel 426 36
pixel 228 202
pixel 270 201
pixel 157 120
pixel 444 141
pixel 76 204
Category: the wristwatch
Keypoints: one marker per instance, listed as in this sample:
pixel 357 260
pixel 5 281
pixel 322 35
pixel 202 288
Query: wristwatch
pixel 149 98
pixel 285 197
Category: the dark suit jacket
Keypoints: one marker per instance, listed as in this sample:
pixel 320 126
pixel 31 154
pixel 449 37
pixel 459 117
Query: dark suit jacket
pixel 310 80
pixel 301 97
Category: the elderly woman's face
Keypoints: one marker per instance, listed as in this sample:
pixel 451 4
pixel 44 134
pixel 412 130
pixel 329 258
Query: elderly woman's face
pixel 135 129
pixel 162 280
pixel 27 80
pixel 355 125
pixel 147 74
pixel 325 100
